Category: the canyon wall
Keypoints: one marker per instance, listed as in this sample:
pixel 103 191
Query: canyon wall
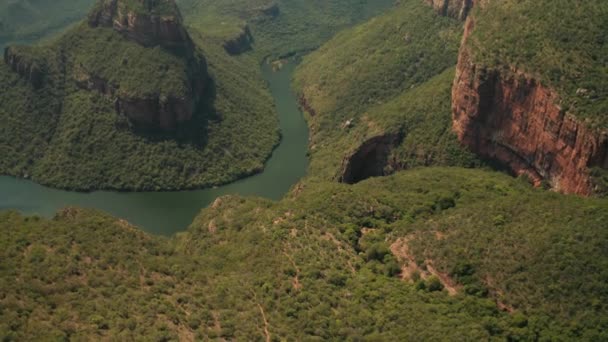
pixel 152 111
pixel 149 23
pixel 510 117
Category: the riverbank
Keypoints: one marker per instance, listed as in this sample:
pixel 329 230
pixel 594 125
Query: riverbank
pixel 166 213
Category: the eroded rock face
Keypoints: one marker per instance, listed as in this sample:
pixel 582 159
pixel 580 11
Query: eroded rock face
pixel 370 159
pixel 241 43
pixel 146 27
pixel 150 23
pixel 458 9
pixel 512 118
pixel 153 111
pixel 26 66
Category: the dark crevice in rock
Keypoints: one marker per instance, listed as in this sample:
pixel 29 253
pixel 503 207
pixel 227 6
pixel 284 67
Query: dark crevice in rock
pixel 370 159
pixel 241 43
pixel 28 67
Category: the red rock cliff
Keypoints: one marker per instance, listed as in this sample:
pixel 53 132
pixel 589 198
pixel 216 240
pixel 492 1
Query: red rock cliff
pixel 512 118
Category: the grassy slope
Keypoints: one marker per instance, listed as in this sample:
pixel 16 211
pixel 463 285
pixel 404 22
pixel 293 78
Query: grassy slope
pixel 390 74
pixel 562 42
pixel 304 262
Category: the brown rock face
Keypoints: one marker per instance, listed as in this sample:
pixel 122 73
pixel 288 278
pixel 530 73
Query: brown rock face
pixel 458 9
pixel 149 23
pixel 512 118
pixel 26 66
pixel 153 111
pixel 144 27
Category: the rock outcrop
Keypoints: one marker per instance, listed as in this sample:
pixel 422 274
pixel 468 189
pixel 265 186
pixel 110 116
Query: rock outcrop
pixel 152 111
pixel 458 9
pixel 240 43
pixel 511 117
pixel 27 66
pixel 149 23
pixel 370 159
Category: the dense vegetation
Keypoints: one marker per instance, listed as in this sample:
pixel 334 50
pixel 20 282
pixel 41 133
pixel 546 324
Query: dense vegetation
pixel 439 253
pixel 81 144
pixel 564 43
pixel 317 265
pixel 280 27
pixel 67 137
pixel 390 75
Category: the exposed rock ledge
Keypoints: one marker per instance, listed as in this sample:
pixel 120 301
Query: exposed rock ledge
pixel 148 112
pixel 458 9
pixel 512 118
pixel 146 28
pixel 26 66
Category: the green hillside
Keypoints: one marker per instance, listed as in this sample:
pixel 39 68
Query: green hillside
pixel 68 137
pixel 397 233
pixel 318 266
pixel 391 75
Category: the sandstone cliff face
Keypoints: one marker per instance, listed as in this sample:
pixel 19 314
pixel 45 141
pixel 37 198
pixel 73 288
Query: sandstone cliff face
pixel 28 68
pixel 146 28
pixel 458 9
pixel 512 118
pixel 152 111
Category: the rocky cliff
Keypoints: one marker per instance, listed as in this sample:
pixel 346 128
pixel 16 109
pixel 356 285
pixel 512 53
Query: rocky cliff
pixel 240 43
pixel 458 9
pixel 513 118
pixel 27 66
pixel 148 22
pixel 151 111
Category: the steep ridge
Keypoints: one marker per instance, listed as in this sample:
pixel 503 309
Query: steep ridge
pixel 513 116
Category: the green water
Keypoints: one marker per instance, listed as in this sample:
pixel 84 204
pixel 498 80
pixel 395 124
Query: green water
pixel 169 212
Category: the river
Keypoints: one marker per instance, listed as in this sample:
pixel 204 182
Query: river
pixel 166 213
